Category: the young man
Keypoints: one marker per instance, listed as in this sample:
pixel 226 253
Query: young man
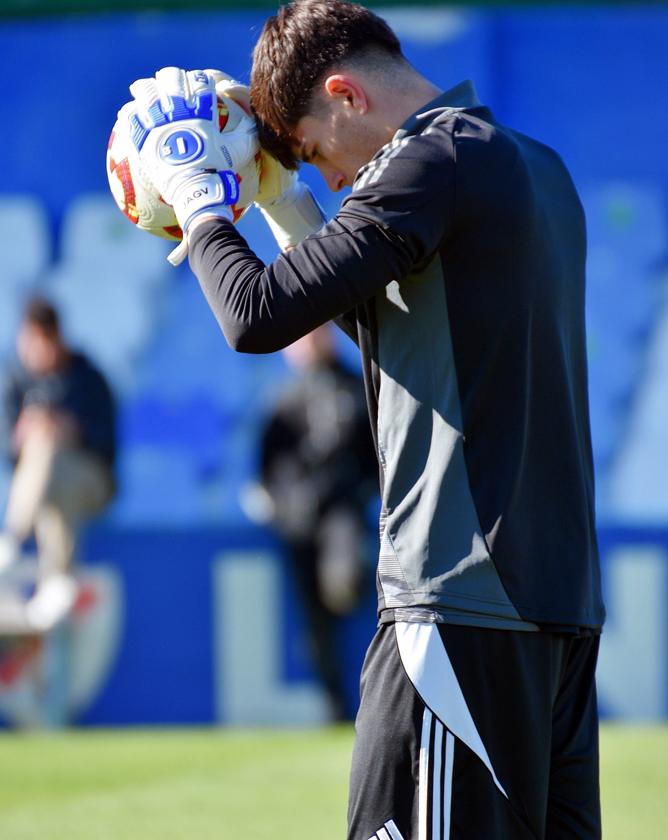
pixel 457 264
pixel 58 420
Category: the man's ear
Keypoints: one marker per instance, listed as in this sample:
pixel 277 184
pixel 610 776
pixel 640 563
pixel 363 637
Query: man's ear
pixel 349 90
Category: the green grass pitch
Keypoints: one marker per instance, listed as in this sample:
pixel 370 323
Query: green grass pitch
pixel 199 784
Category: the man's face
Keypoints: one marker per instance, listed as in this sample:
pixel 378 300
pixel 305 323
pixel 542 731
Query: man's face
pixel 311 350
pixel 37 349
pixel 337 140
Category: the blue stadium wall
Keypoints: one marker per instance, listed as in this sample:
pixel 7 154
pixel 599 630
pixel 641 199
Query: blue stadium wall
pixel 201 624
pixel 213 630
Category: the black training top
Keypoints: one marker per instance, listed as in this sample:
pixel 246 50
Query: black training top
pixel 457 264
pixel 78 389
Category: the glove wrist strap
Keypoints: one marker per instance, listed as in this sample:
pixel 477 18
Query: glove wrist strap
pixel 294 216
pixel 205 191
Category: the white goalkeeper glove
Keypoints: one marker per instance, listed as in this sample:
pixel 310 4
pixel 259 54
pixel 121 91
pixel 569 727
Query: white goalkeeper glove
pixel 187 158
pixel 287 204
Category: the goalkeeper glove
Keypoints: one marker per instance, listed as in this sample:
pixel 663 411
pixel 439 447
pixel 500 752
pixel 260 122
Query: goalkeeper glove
pixel 286 203
pixel 187 158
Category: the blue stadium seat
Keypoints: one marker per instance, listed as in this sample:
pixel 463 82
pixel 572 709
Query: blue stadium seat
pixel 109 319
pixel 638 489
pixel 627 239
pixel 189 355
pixel 108 284
pixel 156 486
pixel 25 244
pixel 25 239
pixel 195 426
pixel 95 232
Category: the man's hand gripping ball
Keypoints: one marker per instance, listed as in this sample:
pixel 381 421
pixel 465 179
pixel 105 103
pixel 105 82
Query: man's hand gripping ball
pixel 287 204
pixel 194 166
pixel 187 143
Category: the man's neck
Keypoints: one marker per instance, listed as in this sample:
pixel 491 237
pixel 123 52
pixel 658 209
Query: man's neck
pixel 411 98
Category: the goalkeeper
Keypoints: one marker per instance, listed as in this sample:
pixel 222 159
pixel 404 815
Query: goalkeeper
pixel 457 264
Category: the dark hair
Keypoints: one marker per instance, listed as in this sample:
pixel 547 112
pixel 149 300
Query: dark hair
pixel 297 47
pixel 40 312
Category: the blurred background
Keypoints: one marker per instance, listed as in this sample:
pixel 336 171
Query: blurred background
pixel 188 611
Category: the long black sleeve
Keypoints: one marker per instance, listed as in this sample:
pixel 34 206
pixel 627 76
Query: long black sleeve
pixel 384 229
pixel 263 308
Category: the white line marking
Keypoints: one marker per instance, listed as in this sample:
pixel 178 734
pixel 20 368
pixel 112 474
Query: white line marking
pixel 424 774
pixel 394 832
pixel 429 669
pixel 436 804
pixel 447 783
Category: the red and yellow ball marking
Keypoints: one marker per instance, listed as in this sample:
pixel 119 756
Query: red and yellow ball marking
pixel 223 114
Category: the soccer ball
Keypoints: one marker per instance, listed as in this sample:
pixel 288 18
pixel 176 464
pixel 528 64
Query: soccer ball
pixel 140 201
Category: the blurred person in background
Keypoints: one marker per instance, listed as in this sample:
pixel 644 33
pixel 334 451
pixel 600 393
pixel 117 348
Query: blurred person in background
pixel 319 469
pixel 58 427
